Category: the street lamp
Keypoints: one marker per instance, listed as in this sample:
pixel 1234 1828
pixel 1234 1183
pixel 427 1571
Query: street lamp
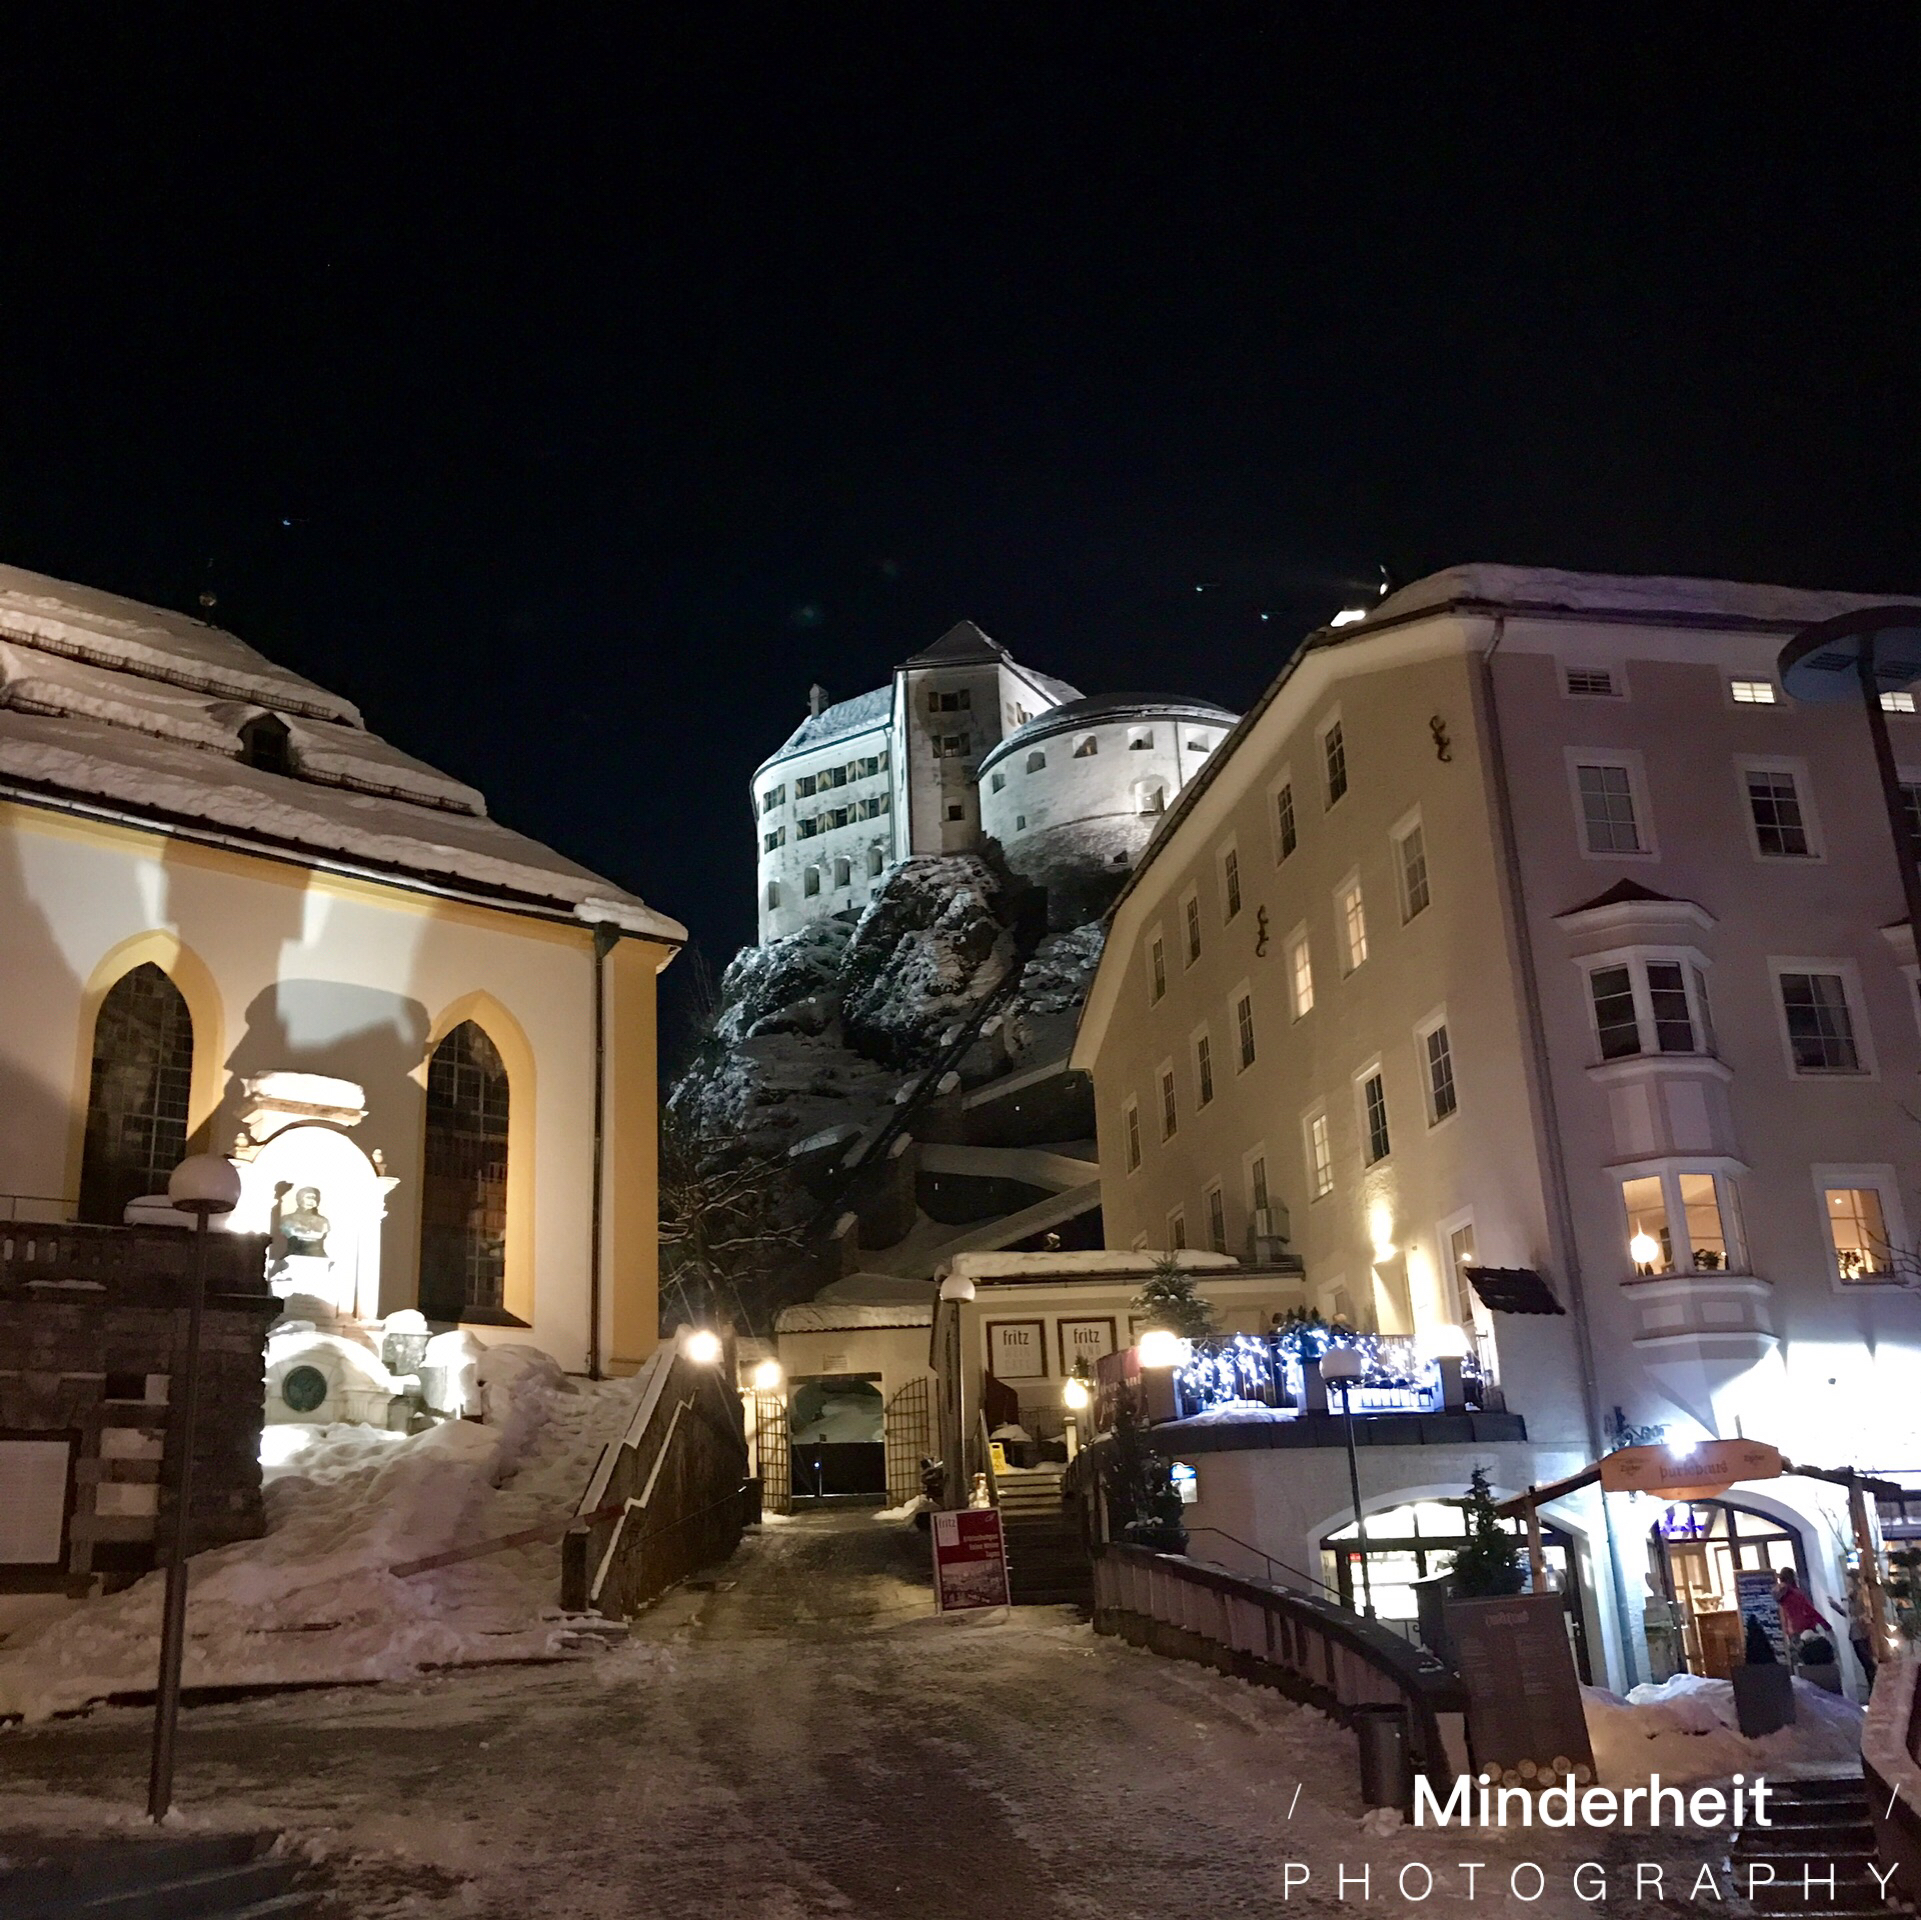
pixel 702 1346
pixel 1874 650
pixel 1076 1399
pixel 1342 1367
pixel 205 1184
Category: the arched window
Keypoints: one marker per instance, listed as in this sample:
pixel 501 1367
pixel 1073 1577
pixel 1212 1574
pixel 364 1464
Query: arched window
pixel 1150 796
pixel 876 860
pixel 137 1097
pixel 463 1197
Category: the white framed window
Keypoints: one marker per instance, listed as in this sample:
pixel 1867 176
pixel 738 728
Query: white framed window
pixel 1170 1103
pixel 1156 966
pixel 1750 692
pixel 1191 925
pixel 1350 922
pixel 1611 810
pixel 1333 761
pixel 1410 864
pixel 1649 1000
pixel 1214 1211
pixel 1319 1143
pixel 1281 811
pixel 1456 1238
pixel 1863 1224
pixel 1778 804
pixel 1901 702
pixel 1594 683
pixel 1203 1067
pixel 1254 1178
pixel 1230 881
pixel 1177 1230
pixel 1435 1051
pixel 1300 972
pixel 1131 1130
pixel 1823 1024
pixel 1241 1004
pixel 1681 1219
pixel 1370 1091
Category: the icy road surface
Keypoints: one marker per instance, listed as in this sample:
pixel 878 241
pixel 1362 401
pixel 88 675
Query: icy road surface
pixel 809 1741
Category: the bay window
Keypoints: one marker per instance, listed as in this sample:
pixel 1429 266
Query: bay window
pixel 1645 1005
pixel 1680 1222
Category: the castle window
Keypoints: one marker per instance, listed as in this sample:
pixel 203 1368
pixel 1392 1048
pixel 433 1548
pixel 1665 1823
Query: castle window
pixel 773 894
pixel 463 1189
pixel 998 783
pixel 1020 823
pixel 137 1097
pixel 1085 748
pixel 1036 761
pixel 950 746
pixel 958 701
pixel 773 797
pixel 843 872
pixel 1139 739
pixel 805 785
pixel 810 882
pixel 806 829
pixel 956 811
pixel 1201 743
pixel 778 838
pixel 265 743
pixel 876 860
pixel 1150 796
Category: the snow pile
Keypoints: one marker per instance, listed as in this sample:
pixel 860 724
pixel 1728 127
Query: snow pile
pixel 1686 1729
pixel 317 1598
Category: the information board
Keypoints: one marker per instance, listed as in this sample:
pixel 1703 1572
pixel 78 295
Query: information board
pixel 1758 1600
pixel 970 1560
pixel 1524 1718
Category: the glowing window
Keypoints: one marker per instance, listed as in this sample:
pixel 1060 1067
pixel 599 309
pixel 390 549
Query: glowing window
pixel 463 1192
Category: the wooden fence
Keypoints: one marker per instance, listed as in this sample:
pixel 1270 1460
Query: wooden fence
pixel 669 1497
pixel 1275 1636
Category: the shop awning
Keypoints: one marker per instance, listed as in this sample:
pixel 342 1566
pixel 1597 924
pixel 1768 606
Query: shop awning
pixel 1512 1290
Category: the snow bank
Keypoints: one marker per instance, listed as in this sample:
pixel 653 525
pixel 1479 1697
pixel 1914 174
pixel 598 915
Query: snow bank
pixel 316 1598
pixel 1686 1729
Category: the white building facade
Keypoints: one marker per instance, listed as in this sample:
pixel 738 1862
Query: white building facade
pixel 1528 936
pixel 904 770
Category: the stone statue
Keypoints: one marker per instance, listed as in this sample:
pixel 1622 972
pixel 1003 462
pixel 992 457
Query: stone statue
pixel 305 1228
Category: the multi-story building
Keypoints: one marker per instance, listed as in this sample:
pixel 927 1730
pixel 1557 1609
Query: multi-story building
pixel 1527 946
pixel 895 773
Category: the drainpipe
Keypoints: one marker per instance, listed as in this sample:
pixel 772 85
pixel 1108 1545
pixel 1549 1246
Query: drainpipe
pixel 606 938
pixel 1560 1206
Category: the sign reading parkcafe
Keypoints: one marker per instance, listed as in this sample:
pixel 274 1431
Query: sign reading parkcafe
pixel 1705 1469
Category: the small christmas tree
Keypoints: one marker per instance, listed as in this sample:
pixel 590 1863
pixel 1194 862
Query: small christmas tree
pixel 1168 1300
pixel 1141 1494
pixel 1489 1563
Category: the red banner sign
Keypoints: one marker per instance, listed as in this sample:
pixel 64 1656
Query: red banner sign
pixel 970 1560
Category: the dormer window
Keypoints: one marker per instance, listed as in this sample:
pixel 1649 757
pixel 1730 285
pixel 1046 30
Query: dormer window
pixel 265 743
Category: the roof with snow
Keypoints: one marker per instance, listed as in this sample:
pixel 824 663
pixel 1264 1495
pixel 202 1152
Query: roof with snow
pixel 844 717
pixel 1105 709
pixel 142 714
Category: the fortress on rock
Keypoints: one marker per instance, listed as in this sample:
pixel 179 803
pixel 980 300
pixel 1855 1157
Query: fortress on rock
pixel 963 746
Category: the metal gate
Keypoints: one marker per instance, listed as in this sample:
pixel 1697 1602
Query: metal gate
pixel 773 1460
pixel 910 1436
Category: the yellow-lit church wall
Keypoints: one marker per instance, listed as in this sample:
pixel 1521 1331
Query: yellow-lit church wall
pixel 288 967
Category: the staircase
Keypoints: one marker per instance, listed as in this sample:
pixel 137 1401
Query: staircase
pixel 1818 1826
pixel 1047 1563
pixel 231 1876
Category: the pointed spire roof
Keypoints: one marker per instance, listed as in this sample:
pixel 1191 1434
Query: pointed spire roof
pixel 962 644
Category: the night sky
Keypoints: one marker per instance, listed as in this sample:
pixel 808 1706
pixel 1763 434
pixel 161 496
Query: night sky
pixel 571 399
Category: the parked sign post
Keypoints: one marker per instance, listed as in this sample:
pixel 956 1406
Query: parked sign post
pixel 970 1560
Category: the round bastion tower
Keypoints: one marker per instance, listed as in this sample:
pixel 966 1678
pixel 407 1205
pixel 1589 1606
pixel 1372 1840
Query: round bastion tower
pixel 1074 794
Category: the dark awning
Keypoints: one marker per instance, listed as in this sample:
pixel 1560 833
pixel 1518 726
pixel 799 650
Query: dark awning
pixel 1512 1290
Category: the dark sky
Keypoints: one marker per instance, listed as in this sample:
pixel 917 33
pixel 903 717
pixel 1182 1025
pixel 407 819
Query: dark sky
pixel 573 397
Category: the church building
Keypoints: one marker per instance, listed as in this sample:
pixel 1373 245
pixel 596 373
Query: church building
pixel 234 920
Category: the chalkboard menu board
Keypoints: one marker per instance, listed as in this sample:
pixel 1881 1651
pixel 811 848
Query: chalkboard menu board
pixel 1524 1718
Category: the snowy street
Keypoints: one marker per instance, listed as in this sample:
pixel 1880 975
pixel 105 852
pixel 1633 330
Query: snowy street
pixel 808 1740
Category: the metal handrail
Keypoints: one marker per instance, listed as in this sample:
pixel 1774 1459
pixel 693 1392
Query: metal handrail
pixel 1321 1653
pixel 1247 1546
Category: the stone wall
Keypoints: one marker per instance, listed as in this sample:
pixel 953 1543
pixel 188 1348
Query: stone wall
pixel 93 1333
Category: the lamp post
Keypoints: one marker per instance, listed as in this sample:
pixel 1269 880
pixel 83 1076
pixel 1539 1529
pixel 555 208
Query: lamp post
pixel 205 1184
pixel 1076 1399
pixel 1872 651
pixel 1343 1367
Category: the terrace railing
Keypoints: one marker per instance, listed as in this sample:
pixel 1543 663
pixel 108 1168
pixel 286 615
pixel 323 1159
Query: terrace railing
pixel 1306 1647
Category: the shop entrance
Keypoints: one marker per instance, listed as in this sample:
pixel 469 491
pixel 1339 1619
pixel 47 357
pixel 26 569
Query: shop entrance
pixel 1697 1547
pixel 1419 1540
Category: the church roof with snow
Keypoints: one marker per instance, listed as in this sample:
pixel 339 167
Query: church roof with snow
pixel 142 714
